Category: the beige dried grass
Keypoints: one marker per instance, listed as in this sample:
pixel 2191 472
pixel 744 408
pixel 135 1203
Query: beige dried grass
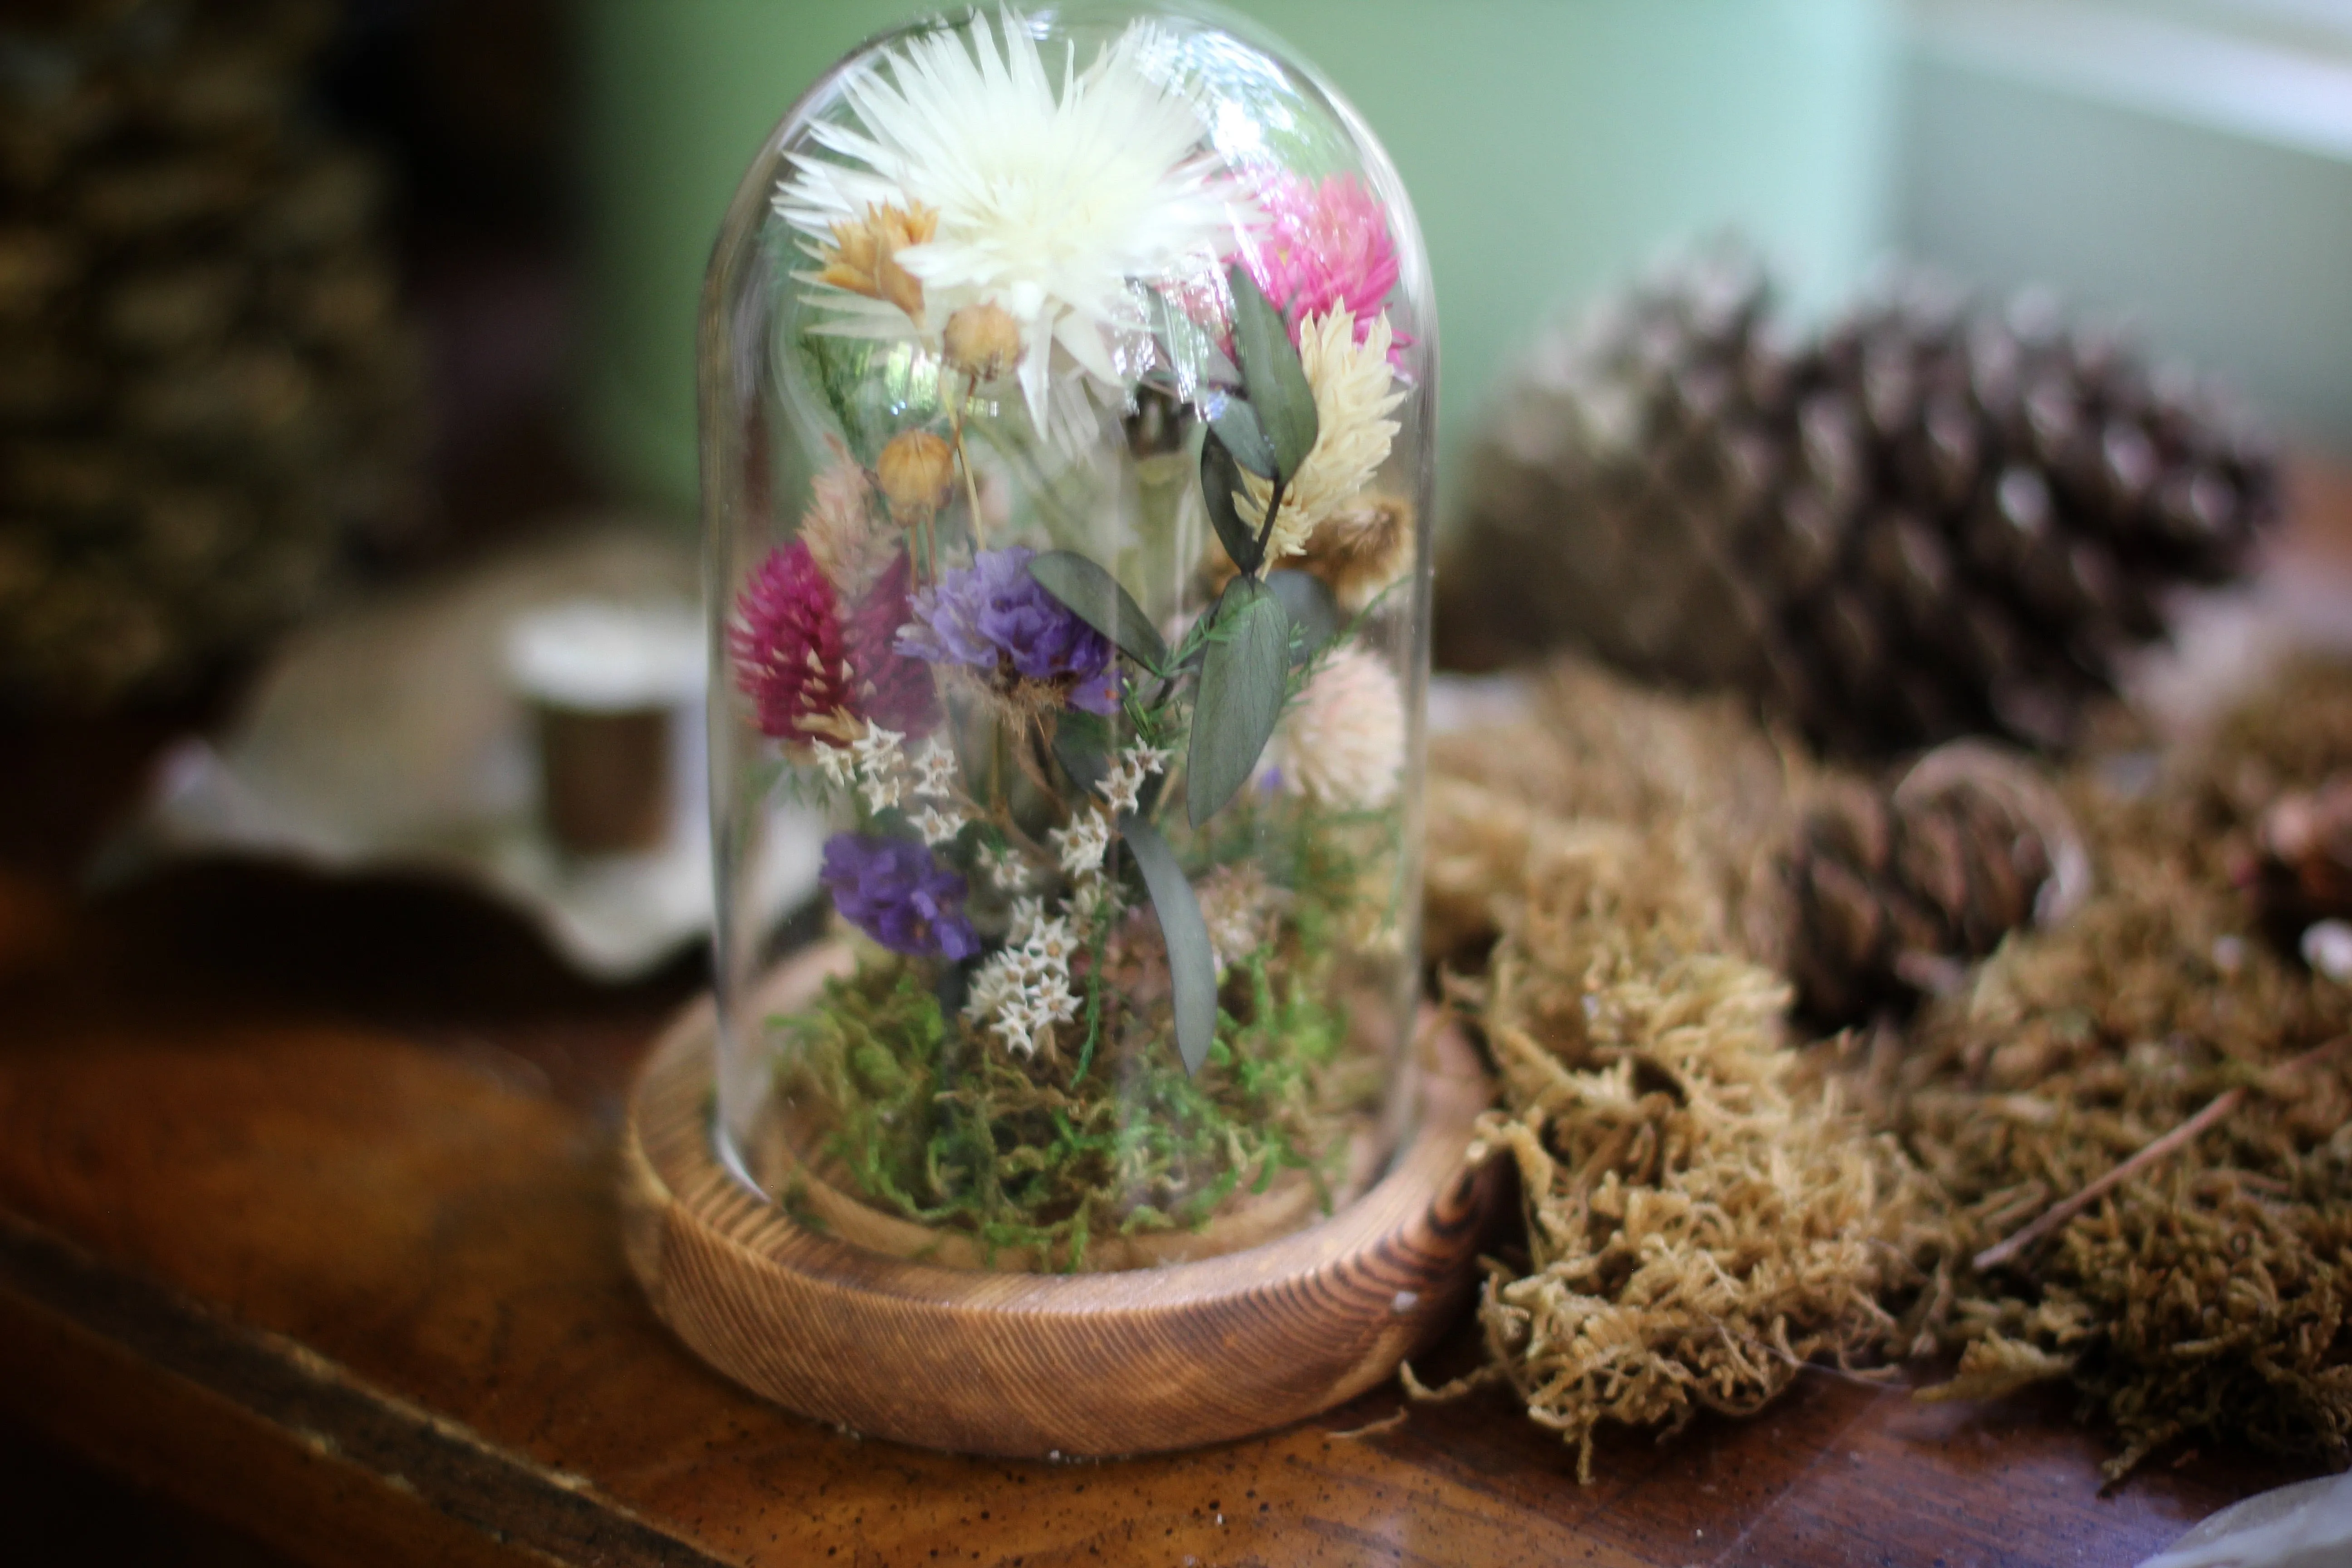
pixel 1703 1219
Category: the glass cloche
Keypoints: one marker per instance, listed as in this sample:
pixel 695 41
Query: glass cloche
pixel 1068 386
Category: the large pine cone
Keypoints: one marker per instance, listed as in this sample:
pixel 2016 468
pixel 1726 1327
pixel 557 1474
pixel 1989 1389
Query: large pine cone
pixel 1932 520
pixel 206 382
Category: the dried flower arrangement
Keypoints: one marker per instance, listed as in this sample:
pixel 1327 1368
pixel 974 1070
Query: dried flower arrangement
pixel 1088 643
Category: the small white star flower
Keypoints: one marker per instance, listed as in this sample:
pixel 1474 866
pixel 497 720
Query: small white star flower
pixel 938 826
pixel 1081 845
pixel 935 770
pixel 1006 872
pixel 838 765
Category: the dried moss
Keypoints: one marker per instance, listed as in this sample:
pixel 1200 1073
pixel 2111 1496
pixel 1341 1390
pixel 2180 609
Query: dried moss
pixel 1701 1222
pixel 2207 1299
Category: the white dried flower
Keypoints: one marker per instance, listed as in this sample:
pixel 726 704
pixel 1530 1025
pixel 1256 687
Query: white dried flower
pixel 1006 870
pixel 881 766
pixel 1083 843
pixel 838 764
pixel 1342 741
pixel 1355 390
pixel 1235 904
pixel 935 770
pixel 938 826
pixel 1023 989
pixel 1045 191
pixel 1122 787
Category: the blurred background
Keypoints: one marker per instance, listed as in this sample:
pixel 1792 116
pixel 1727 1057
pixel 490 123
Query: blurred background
pixel 299 296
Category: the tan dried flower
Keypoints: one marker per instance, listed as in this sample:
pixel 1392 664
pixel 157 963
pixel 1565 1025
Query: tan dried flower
pixel 1354 391
pixel 916 472
pixel 1237 904
pixel 864 255
pixel 842 536
pixel 982 341
pixel 1362 547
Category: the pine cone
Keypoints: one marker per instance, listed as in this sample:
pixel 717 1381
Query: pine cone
pixel 2300 871
pixel 206 384
pixel 1934 520
pixel 1893 892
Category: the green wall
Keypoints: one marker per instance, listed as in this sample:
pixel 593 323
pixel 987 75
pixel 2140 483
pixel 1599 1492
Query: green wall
pixel 1550 145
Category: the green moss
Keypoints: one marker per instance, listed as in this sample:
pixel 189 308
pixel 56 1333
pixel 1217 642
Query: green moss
pixel 1108 1135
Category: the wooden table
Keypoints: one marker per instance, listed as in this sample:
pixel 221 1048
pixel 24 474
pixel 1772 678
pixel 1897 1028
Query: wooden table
pixel 306 1219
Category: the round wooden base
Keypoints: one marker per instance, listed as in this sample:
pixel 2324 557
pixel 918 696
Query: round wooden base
pixel 1038 1364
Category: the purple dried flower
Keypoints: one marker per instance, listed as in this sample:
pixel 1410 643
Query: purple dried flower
pixel 994 616
pixel 894 891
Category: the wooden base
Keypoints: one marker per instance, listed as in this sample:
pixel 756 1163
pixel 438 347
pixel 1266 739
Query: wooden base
pixel 1041 1365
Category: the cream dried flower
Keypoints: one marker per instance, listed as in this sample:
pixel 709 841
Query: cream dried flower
pixel 1236 904
pixel 935 771
pixel 848 545
pixel 1051 199
pixel 1354 391
pixel 1342 741
pixel 938 826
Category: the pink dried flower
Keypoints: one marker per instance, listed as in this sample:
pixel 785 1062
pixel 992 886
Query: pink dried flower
pixel 786 644
pixel 893 689
pixel 1324 246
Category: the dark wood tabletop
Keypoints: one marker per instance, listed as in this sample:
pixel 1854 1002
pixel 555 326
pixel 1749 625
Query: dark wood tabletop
pixel 307 1220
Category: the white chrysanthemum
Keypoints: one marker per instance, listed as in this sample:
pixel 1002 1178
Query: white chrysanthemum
pixel 1354 390
pixel 1049 203
pixel 1342 742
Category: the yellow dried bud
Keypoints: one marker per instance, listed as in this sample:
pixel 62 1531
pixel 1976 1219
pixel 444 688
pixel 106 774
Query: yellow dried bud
pixel 864 255
pixel 1364 545
pixel 915 471
pixel 983 340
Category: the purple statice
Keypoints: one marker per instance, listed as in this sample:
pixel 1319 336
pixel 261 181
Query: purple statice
pixel 994 616
pixel 894 891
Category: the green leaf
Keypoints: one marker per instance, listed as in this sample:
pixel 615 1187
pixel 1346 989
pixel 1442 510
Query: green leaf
pixel 1236 425
pixel 1314 612
pixel 1243 682
pixel 1095 596
pixel 1220 477
pixel 1270 370
pixel 1191 962
pixel 1082 745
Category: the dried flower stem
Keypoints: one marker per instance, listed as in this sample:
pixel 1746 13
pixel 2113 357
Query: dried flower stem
pixel 963 461
pixel 2056 1216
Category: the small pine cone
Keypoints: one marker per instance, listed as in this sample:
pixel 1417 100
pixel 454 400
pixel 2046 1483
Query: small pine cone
pixel 1894 893
pixel 2301 869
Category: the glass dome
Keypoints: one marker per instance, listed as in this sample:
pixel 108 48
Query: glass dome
pixel 1067 387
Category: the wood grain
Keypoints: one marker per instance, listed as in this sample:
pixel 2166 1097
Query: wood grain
pixel 1022 1364
pixel 365 1139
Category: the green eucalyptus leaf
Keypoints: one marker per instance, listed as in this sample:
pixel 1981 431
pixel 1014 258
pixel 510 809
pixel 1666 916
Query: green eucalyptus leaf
pixel 1220 477
pixel 1314 612
pixel 1095 596
pixel 1237 425
pixel 1082 744
pixel 1271 371
pixel 1191 962
pixel 1244 680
